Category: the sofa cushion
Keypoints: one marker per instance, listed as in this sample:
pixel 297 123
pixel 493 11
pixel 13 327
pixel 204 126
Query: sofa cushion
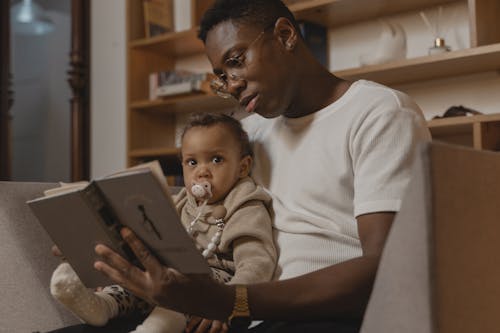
pixel 25 301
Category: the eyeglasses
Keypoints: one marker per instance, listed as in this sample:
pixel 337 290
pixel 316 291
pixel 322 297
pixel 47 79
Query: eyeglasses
pixel 233 69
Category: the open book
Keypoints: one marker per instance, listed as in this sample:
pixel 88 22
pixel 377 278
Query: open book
pixel 77 216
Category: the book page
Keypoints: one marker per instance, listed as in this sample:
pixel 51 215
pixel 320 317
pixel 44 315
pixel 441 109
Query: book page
pixel 65 188
pixel 153 166
pixel 140 203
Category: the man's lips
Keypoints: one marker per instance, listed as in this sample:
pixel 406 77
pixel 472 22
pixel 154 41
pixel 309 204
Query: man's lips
pixel 249 102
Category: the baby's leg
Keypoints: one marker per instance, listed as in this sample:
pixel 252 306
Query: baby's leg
pixel 94 308
pixel 162 320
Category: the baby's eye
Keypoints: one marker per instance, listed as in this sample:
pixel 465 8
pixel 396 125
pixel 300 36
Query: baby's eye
pixel 217 159
pixel 190 162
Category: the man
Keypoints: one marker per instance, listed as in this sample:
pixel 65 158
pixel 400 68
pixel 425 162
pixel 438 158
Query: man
pixel 334 154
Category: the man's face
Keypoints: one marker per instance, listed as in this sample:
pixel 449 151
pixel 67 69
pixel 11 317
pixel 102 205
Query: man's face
pixel 212 154
pixel 258 85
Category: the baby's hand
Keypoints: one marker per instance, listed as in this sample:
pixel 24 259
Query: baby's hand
pixel 56 252
pixel 206 325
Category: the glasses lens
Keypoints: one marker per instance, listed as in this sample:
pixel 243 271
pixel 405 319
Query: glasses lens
pixel 218 87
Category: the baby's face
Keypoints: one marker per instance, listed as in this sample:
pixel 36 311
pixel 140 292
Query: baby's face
pixel 212 154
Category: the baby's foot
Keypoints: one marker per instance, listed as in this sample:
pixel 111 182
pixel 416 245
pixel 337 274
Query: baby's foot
pixel 93 308
pixel 162 320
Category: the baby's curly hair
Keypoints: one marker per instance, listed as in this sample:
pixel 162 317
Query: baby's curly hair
pixel 210 119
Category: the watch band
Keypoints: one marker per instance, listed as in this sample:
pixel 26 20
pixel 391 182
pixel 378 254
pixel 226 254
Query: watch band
pixel 240 317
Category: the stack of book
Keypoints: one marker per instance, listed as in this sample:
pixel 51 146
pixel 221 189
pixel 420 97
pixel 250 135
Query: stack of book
pixel 175 82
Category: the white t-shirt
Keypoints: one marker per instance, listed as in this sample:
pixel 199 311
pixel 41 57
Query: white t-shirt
pixel 322 170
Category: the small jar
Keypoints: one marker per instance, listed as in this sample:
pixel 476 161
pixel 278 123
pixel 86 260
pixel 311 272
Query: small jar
pixel 439 46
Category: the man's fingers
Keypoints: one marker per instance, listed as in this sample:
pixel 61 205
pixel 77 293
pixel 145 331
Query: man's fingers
pixel 216 327
pixel 110 272
pixel 116 267
pixel 203 326
pixel 150 263
pixel 192 323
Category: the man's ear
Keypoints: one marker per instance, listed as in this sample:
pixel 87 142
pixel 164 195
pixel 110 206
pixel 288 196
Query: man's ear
pixel 245 166
pixel 286 33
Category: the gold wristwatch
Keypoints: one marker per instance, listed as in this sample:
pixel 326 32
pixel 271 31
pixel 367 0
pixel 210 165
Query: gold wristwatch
pixel 240 317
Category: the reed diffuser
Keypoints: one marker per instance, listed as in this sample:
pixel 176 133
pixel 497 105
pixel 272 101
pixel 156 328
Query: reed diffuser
pixel 435 29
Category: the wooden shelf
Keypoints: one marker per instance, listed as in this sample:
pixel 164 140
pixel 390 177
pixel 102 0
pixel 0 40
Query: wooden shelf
pixel 330 13
pixel 457 121
pixel 480 132
pixel 461 62
pixel 185 103
pixel 175 44
pixel 334 13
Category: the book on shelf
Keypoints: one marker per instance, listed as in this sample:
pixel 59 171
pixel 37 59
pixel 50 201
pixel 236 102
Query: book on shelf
pixel 158 17
pixel 78 216
pixel 175 82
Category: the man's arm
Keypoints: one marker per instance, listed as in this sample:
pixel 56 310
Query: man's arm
pixel 340 290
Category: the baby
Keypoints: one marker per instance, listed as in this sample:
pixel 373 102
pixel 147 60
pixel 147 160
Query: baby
pixel 223 210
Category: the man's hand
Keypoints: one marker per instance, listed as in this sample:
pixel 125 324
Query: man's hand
pixel 162 285
pixel 203 325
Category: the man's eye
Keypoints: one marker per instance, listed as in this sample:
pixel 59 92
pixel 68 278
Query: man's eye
pixel 217 159
pixel 191 162
pixel 234 62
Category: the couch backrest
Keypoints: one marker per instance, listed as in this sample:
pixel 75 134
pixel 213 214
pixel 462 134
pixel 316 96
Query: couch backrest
pixel 26 265
pixel 439 272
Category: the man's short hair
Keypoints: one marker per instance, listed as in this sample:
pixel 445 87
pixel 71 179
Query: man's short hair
pixel 207 119
pixel 258 13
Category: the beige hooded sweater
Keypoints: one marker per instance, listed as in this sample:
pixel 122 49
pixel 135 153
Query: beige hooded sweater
pixel 246 249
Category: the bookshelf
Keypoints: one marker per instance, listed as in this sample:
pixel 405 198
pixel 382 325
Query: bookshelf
pixel 151 124
pixel 479 132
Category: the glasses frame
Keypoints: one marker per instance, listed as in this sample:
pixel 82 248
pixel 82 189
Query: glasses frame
pixel 220 83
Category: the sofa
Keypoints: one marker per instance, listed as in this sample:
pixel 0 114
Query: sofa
pixel 26 265
pixel 437 272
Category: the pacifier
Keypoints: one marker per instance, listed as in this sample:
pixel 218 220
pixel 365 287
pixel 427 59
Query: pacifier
pixel 202 190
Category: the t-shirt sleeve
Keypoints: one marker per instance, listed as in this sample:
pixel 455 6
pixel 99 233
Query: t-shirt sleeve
pixel 383 148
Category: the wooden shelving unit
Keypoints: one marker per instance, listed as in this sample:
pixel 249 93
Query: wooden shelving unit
pixel 479 132
pixel 461 62
pixel 151 124
pixel 335 13
pixel 183 103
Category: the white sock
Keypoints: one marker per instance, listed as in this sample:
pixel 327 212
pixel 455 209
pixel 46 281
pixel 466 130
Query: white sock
pixel 162 320
pixel 94 308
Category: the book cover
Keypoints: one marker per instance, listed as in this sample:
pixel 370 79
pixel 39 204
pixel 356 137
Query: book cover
pixel 158 17
pixel 78 218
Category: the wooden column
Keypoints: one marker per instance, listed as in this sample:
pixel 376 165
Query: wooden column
pixel 6 99
pixel 79 80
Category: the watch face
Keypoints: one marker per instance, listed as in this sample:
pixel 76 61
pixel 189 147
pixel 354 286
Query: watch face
pixel 240 322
